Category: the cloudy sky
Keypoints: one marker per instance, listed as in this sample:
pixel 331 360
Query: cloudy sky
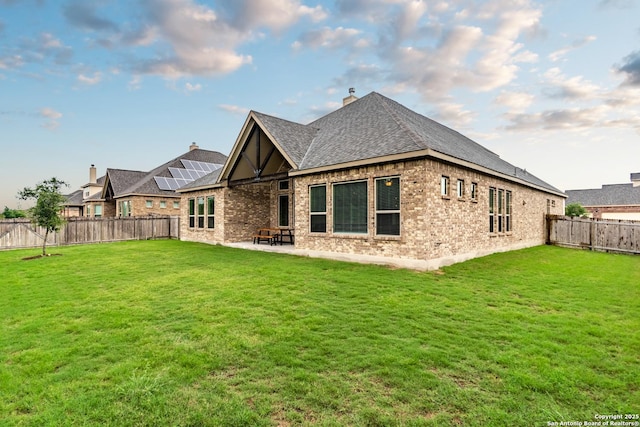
pixel 551 86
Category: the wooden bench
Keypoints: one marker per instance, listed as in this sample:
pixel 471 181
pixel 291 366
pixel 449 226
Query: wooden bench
pixel 271 235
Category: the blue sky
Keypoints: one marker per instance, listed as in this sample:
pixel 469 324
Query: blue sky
pixel 551 86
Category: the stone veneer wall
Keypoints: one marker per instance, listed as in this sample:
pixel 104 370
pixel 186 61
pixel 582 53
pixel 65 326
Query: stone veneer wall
pixel 432 227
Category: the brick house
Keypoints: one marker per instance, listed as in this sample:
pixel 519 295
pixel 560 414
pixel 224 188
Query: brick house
pixel 373 179
pixel 121 193
pixel 615 201
pixel 82 202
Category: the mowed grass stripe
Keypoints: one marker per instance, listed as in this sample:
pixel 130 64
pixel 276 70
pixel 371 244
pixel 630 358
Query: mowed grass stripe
pixel 178 333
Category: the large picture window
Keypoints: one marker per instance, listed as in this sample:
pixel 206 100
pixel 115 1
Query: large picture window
pixel 318 208
pixel 350 207
pixel 211 212
pixel 388 206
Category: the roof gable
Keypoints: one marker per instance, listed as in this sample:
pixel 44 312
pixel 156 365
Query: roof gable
pixel 118 180
pixel 259 155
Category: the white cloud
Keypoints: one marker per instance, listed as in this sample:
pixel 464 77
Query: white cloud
pixel 453 114
pixel 569 88
pixel 135 83
pixel 234 109
pixel 193 87
pixel 514 101
pixel 435 49
pixel 50 113
pixel 200 42
pixel 329 38
pixel 90 80
pixel 562 52
pixel 52 117
pixel 573 119
pixel 10 62
pixel 248 15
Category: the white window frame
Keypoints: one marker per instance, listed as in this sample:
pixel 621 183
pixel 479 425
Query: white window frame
pixel 460 188
pixel 444 186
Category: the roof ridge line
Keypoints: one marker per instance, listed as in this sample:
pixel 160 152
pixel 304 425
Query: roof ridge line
pixel 414 137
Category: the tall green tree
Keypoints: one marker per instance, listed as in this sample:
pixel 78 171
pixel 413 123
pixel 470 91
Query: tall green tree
pixel 12 213
pixel 574 209
pixel 49 202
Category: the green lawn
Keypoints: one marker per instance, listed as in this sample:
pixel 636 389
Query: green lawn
pixel 176 333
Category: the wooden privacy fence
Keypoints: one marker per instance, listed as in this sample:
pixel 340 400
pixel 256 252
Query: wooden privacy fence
pixel 21 233
pixel 608 235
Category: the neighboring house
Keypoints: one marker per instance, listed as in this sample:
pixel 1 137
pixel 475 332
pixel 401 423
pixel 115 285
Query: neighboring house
pixel 122 193
pixel 77 203
pixel 372 179
pixel 616 201
pixel 74 205
pixel 136 193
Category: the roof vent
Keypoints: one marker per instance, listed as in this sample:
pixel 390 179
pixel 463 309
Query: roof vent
pixel 349 99
pixel 193 146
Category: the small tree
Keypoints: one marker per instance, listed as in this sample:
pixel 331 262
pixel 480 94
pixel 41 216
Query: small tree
pixel 47 211
pixel 12 213
pixel 574 209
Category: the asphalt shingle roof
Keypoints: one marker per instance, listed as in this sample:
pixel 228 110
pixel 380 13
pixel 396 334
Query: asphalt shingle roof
pixel 375 126
pixel 608 195
pixel 293 137
pixel 204 181
pixel 136 182
pixel 74 198
pixel 121 179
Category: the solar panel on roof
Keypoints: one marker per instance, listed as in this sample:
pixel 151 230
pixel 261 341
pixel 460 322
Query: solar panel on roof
pixel 162 183
pixel 176 172
pixel 193 170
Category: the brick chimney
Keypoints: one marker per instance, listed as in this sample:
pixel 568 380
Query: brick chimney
pixel 193 146
pixel 92 174
pixel 349 99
